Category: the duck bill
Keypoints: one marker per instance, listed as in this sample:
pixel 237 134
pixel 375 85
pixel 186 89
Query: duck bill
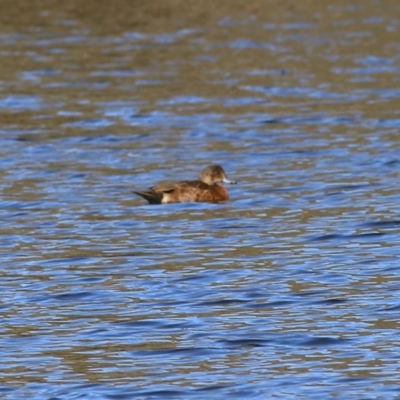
pixel 226 180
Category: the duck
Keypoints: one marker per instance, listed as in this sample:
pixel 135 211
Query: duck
pixel 207 189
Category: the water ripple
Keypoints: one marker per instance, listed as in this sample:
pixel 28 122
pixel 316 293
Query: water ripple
pixel 295 278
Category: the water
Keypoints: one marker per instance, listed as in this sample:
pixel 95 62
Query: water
pixel 289 290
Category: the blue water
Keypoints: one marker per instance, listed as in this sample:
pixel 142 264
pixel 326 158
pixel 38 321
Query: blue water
pixel 289 290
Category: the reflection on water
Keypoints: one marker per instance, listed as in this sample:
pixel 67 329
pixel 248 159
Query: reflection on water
pixel 289 290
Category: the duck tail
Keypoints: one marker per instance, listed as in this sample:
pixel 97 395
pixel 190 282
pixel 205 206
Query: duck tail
pixel 151 196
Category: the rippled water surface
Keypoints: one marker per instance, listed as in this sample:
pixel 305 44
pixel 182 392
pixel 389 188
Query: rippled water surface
pixel 289 290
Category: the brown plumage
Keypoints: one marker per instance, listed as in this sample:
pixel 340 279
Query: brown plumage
pixel 205 190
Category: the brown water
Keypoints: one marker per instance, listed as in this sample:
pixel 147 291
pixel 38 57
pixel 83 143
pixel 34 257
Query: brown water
pixel 290 290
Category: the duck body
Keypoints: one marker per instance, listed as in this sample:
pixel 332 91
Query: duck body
pixel 205 190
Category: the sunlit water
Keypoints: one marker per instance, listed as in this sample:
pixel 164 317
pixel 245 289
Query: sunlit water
pixel 289 290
